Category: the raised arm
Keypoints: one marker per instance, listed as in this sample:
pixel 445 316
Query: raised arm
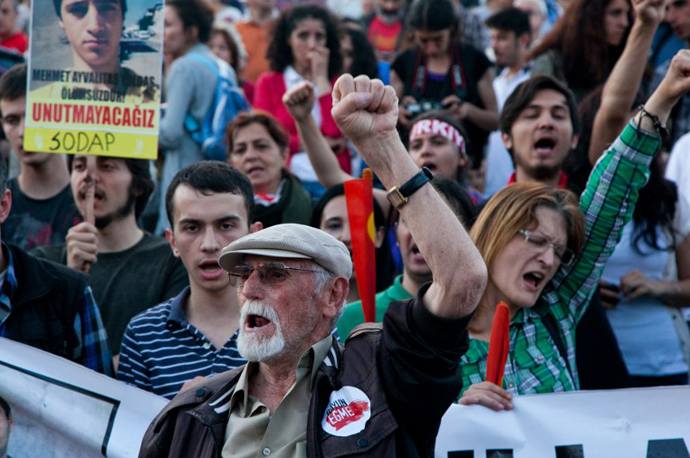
pixel 625 78
pixel 674 85
pixel 614 184
pixel 299 102
pixel 366 112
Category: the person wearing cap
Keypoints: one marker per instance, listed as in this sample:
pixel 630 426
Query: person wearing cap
pixel 301 394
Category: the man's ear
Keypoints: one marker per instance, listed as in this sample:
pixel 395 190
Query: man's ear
pixel 5 205
pixel 576 138
pixel 507 140
pixel 256 227
pixel 463 161
pixel 192 32
pixel 337 294
pixel 170 235
pixel 525 39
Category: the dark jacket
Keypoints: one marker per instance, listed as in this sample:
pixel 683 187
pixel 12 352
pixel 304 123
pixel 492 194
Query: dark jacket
pixel 45 304
pixel 409 369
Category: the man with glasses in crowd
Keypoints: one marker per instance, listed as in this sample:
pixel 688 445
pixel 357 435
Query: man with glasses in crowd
pixel 301 394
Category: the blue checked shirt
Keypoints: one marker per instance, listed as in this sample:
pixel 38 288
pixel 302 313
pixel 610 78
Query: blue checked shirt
pixel 534 363
pixel 92 350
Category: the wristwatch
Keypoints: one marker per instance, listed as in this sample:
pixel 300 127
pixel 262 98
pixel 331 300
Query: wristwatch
pixel 398 196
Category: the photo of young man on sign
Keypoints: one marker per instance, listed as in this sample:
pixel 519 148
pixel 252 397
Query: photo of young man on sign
pixel 95 65
pixel 102 52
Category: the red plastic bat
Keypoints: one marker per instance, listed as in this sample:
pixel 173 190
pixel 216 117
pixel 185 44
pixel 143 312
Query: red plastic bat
pixel 499 345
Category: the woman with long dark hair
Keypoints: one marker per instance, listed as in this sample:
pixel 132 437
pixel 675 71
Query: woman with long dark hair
pixel 643 283
pixel 585 43
pixel 440 72
pixel 358 54
pixel 305 46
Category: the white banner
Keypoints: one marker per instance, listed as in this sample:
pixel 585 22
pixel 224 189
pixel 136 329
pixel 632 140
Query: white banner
pixel 632 423
pixel 64 410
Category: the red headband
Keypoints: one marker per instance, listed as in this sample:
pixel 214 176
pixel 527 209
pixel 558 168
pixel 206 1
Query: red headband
pixel 438 127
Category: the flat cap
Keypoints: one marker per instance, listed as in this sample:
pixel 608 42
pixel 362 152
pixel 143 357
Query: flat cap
pixel 291 241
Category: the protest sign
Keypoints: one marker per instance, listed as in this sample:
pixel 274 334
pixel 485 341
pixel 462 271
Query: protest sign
pixel 94 77
pixel 632 423
pixel 64 410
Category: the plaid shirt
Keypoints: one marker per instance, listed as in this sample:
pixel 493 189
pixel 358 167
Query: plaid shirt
pixel 92 350
pixel 534 363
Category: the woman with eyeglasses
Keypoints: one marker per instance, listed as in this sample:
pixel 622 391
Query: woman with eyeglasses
pixel 528 234
pixel 546 254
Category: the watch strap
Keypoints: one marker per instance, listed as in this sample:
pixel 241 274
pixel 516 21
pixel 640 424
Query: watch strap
pixel 399 195
pixel 416 182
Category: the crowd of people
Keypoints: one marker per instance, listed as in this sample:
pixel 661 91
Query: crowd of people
pixel 525 152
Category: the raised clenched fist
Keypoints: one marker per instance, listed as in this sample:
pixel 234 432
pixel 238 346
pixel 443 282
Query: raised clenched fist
pixel 364 109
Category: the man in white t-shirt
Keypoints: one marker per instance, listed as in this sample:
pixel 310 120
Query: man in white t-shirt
pixel 678 171
pixel 510 39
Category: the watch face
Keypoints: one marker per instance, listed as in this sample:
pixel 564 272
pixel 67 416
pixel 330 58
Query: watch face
pixel 396 198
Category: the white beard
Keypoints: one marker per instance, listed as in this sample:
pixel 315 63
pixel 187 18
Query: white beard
pixel 257 348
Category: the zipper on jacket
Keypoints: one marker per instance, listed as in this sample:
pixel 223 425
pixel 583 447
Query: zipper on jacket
pixel 315 420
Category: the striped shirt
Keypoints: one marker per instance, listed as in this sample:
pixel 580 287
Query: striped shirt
pixel 161 350
pixel 92 348
pixel 534 363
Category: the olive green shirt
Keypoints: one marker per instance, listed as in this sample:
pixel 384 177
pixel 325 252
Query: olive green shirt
pixel 253 432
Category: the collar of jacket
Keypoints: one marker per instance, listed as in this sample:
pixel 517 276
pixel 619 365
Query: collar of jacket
pixel 213 397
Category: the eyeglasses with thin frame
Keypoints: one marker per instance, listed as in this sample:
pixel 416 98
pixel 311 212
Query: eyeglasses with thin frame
pixel 540 243
pixel 270 273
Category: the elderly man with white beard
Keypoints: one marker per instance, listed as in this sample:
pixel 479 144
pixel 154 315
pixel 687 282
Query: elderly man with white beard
pixel 301 394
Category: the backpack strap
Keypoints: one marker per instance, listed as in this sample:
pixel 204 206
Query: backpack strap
pixel 191 125
pixel 204 60
pixel 418 75
pixel 458 79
